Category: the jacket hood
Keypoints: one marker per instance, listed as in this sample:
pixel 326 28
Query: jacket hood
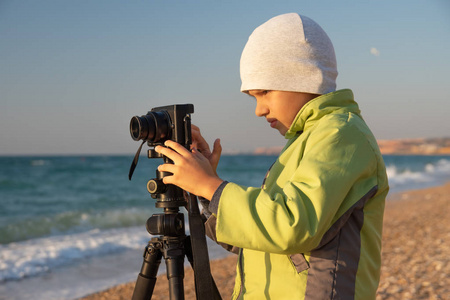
pixel 339 102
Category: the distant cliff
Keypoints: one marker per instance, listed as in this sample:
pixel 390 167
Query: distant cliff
pixel 418 146
pixel 268 150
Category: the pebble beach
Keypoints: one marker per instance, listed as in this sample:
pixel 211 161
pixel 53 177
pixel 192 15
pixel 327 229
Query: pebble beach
pixel 415 255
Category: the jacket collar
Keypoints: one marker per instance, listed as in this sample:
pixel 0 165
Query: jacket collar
pixel 336 102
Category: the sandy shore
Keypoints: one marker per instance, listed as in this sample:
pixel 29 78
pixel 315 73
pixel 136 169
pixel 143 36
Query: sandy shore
pixel 416 253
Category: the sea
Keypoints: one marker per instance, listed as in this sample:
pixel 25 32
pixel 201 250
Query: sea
pixel 74 225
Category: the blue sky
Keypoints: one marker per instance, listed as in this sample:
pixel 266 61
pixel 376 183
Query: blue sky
pixel 73 73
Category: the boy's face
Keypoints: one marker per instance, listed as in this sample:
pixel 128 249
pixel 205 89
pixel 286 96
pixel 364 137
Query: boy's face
pixel 279 107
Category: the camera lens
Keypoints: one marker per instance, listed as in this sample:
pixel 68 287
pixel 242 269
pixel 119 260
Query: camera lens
pixel 139 128
pixel 152 127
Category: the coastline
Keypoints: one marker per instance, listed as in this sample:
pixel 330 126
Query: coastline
pixel 415 254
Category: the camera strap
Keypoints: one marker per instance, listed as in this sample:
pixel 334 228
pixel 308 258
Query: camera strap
pixel 135 161
pixel 205 286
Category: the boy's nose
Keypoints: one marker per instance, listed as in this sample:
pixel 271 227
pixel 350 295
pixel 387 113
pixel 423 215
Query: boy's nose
pixel 261 110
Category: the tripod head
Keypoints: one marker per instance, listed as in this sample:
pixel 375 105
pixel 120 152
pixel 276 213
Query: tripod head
pixel 166 195
pixel 169 197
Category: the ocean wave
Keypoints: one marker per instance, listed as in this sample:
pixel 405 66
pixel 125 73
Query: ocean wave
pixel 38 162
pixel 407 177
pixel 37 256
pixel 71 222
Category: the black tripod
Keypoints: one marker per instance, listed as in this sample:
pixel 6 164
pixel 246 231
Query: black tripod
pixel 173 244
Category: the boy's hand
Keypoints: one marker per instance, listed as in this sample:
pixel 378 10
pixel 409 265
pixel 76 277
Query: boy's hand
pixel 191 170
pixel 199 143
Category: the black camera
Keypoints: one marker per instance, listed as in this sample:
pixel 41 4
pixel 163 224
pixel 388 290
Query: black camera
pixel 172 122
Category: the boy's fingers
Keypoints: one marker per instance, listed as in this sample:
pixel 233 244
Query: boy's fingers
pixel 164 151
pixel 168 180
pixel 217 149
pixel 167 152
pixel 170 168
pixel 177 147
pixel 215 156
pixel 197 136
pixel 171 153
pixel 217 146
pixel 199 141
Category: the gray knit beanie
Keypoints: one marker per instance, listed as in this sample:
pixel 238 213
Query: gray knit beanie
pixel 289 53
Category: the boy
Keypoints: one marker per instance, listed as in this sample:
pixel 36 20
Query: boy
pixel 313 230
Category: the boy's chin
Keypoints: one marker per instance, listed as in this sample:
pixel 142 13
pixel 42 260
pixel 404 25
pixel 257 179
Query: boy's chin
pixel 282 131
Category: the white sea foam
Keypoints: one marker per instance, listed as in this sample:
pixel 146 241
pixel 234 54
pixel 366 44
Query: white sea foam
pixel 407 178
pixel 33 257
pixel 69 222
pixel 38 162
pixel 72 266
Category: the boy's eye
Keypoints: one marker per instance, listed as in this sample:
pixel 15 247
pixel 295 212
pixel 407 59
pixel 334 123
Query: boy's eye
pixel 258 93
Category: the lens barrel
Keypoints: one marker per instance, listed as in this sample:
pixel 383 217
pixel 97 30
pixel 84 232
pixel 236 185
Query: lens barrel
pixel 153 127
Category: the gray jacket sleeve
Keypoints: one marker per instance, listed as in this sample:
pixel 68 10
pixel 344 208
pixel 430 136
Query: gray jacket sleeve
pixel 210 211
pixel 210 230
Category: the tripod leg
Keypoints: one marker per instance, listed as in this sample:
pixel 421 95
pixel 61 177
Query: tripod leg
pixel 174 256
pixel 146 280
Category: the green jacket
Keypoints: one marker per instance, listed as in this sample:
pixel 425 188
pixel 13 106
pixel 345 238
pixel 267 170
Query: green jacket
pixel 313 230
